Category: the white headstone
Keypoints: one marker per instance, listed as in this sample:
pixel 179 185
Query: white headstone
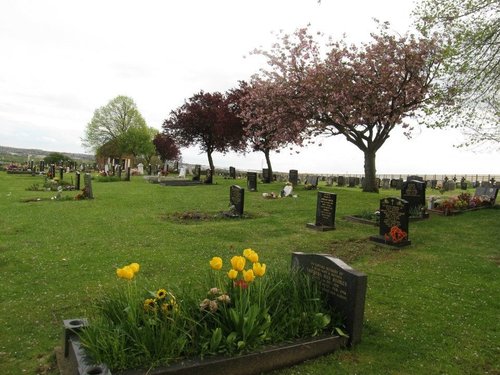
pixel 182 172
pixel 140 168
pixel 287 190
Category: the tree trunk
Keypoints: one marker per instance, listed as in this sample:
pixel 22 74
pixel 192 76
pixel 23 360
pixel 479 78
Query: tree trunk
pixel 211 162
pixel 370 184
pixel 269 167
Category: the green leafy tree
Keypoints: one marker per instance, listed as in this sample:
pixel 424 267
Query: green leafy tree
pixel 56 158
pixel 137 141
pixel 470 31
pixel 112 121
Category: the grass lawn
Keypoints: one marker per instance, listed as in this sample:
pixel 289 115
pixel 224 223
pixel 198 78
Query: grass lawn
pixel 431 308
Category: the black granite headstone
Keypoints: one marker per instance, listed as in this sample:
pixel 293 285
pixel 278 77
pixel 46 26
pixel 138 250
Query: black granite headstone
pixel 351 182
pixel 293 176
pixel 325 212
pixel 89 194
pixel 208 178
pixel 150 169
pixel 252 181
pixel 266 176
pixel 491 192
pixel 77 185
pixel 128 174
pixel 415 178
pixel 236 199
pixel 312 182
pixel 413 191
pixel 394 219
pixel 344 288
pixel 232 172
pixel 341 181
pixel 197 172
pixel 61 174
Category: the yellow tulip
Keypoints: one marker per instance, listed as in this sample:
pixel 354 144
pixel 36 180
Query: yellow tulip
pixel 259 269
pixel 135 267
pixel 253 257
pixel 238 263
pixel 216 263
pixel 246 252
pixel 232 274
pixel 125 273
pixel 248 276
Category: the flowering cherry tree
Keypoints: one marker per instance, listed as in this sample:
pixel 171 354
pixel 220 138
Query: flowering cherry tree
pixel 361 93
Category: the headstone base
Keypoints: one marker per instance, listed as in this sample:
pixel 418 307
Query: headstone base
pixel 321 228
pixel 382 240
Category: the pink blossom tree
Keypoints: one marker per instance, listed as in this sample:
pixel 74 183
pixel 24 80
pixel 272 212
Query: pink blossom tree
pixel 361 93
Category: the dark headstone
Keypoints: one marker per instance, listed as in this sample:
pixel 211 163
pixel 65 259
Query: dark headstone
pixel 128 174
pixel 293 176
pixel 232 172
pixel 197 172
pixel 352 182
pixel 311 182
pixel 209 178
pixel 394 219
pixel 329 181
pixel 386 183
pixel 252 181
pixel 61 174
pixel 415 178
pixel 266 176
pixel 236 199
pixel 485 184
pixel 325 212
pixel 150 169
pixel 433 184
pixel 344 288
pixel 118 170
pixel 341 181
pixel 490 192
pixel 77 185
pixel 449 185
pixel 89 194
pixel 414 193
pixel 399 184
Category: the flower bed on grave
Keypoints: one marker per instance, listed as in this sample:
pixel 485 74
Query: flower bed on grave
pixel 463 202
pixel 246 314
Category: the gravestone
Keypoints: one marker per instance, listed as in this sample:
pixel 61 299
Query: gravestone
pixel 463 184
pixel 399 184
pixel 485 184
pixel 150 169
pixel 266 176
pixel 325 212
pixel 232 173
pixel 197 172
pixel 394 219
pixel 87 179
pixel 491 192
pixel 341 181
pixel 128 174
pixel 140 168
pixel 286 191
pixel 61 173
pixel 352 182
pixel 77 185
pixel 414 193
pixel 236 199
pixel 119 169
pixel 386 183
pixel 252 181
pixel 329 181
pixel 293 176
pixel 42 166
pixel 311 182
pixel 393 183
pixel 343 287
pixel 415 178
pixel 209 178
pixel 433 184
pixel 449 185
pixel 182 172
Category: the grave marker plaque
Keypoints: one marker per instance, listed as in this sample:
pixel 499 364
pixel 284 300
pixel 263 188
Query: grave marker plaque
pixel 87 179
pixel 341 181
pixel 209 178
pixel 197 172
pixel 266 176
pixel 386 183
pixel 252 181
pixel 344 288
pixel 77 185
pixel 394 219
pixel 325 212
pixel 351 182
pixel 61 173
pixel 232 172
pixel 236 199
pixel 312 182
pixel 293 176
pixel 414 193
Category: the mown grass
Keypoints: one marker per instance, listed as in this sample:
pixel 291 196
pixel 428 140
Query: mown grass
pixel 431 308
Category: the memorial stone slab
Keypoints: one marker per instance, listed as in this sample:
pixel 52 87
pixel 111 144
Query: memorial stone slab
pixel 293 176
pixel 343 287
pixel 252 181
pixel 232 173
pixel 236 199
pixel 394 219
pixel 197 172
pixel 413 191
pixel 325 212
pixel 266 176
pixel 87 179
pixel 341 181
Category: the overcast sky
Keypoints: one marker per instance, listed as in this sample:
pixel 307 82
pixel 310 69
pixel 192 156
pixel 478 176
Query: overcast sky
pixel 62 59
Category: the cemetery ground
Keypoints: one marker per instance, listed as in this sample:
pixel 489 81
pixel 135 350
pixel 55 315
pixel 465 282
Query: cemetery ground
pixel 431 308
